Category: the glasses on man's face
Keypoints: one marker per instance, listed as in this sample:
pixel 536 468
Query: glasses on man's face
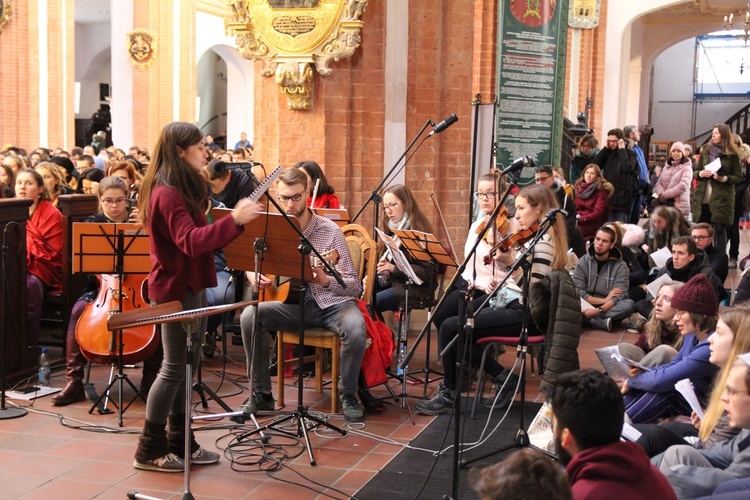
pixel 485 196
pixel 701 238
pixel 110 202
pixel 732 392
pixel 613 142
pixel 390 206
pixel 294 198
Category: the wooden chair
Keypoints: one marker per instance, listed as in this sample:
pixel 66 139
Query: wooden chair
pixel 364 255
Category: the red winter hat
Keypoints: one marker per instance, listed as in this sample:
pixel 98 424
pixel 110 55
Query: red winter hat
pixel 696 296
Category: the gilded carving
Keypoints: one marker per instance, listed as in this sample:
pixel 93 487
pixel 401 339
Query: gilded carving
pixel 293 36
pixel 141 48
pixel 6 12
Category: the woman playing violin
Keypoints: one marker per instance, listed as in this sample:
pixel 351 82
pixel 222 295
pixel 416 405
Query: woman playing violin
pixel 113 198
pixel 550 253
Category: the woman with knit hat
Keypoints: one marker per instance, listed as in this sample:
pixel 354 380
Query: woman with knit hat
pixel 651 395
pixel 673 186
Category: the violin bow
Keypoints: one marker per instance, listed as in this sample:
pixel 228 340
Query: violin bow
pixel 442 223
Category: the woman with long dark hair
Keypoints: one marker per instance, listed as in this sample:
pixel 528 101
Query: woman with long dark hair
pixel 592 200
pixel 326 197
pixel 172 203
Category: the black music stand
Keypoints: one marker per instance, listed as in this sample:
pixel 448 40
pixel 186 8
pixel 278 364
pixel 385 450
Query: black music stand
pixel 171 312
pixel 276 249
pixel 425 247
pixel 112 248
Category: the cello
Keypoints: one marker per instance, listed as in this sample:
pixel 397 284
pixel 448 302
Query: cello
pixel 96 342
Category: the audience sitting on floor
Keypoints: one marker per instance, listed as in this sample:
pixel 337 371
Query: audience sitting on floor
pixel 731 339
pixel 651 395
pixel 602 280
pixel 587 420
pixel 661 339
pixel 694 472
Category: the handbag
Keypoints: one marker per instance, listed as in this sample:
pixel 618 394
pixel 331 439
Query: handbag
pixel 540 430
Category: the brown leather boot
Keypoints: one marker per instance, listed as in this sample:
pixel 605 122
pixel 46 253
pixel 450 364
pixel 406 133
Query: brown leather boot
pixel 75 364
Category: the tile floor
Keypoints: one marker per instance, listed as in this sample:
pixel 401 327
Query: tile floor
pixel 67 453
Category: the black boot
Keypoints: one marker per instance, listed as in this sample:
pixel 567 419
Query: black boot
pixel 176 440
pixel 153 451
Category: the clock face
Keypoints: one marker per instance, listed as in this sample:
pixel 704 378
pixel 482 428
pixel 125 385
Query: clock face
pixel 533 13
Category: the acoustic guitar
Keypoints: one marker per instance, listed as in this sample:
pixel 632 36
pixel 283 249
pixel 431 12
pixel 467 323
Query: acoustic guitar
pixel 286 290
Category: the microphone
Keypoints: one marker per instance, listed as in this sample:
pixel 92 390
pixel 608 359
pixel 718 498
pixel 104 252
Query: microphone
pixel 222 166
pixel 518 165
pixel 550 217
pixel 443 125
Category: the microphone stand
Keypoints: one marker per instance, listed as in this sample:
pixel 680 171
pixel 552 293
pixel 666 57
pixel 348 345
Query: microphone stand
pixel 5 412
pixel 523 261
pixel 375 195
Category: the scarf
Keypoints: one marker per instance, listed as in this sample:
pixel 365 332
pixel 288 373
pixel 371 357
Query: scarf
pixel 586 190
pixel 398 225
pixel 714 152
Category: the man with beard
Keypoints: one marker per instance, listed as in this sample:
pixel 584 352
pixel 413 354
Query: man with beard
pixel 603 279
pixel 587 419
pixel 327 305
pixel 620 167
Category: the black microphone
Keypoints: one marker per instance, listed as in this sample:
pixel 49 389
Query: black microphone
pixel 550 217
pixel 518 165
pixel 222 166
pixel 443 125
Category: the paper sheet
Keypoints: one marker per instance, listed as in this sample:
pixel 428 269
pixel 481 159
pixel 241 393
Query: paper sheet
pixel 630 362
pixel 714 166
pixel 685 387
pixel 661 256
pixel 43 391
pixel 654 286
pixel 630 433
pixel 585 306
pixel 614 368
pixel 398 257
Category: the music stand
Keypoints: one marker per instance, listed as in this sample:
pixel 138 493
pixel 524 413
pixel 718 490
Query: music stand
pixel 112 248
pixel 171 312
pixel 274 253
pixel 425 247
pixel 338 215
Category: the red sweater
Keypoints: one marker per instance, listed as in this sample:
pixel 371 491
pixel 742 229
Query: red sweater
pixel 45 260
pixel 182 246
pixel 620 470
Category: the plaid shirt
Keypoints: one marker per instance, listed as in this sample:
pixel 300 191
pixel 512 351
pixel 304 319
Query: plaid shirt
pixel 325 235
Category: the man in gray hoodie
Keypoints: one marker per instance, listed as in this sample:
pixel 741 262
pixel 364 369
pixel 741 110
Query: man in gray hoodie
pixel 602 280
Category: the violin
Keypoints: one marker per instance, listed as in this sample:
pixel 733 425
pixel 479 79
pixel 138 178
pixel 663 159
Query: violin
pixel 502 223
pixel 513 240
pixel 96 342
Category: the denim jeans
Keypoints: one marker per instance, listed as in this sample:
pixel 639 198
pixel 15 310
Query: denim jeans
pixel 344 319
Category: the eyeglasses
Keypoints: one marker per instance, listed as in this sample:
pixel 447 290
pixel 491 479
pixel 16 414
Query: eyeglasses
pixel 295 198
pixel 118 201
pixel 732 392
pixel 701 237
pixel 390 206
pixel 615 141
pixel 484 196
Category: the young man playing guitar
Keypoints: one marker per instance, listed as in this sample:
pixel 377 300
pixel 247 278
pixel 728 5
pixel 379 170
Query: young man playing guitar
pixel 327 304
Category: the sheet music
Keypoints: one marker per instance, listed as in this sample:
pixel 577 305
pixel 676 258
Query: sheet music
pixel 398 257
pixel 685 387
pixel 263 186
pixel 630 362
